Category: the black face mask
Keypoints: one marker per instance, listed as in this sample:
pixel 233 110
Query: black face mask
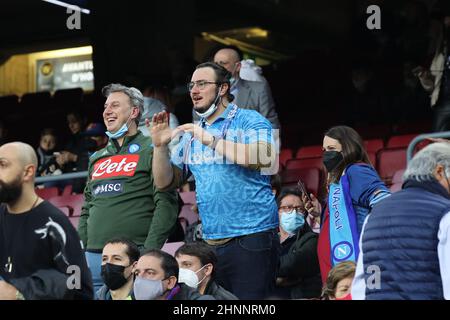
pixel 331 159
pixel 10 192
pixel 113 277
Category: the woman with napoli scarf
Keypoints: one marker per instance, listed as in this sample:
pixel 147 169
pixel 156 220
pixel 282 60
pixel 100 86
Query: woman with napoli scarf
pixel 354 187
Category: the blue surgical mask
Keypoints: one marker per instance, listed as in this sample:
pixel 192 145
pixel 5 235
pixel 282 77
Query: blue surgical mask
pixel 119 133
pixel 292 221
pixel 146 289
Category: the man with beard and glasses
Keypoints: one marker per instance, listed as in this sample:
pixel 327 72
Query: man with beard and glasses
pixel 40 252
pixel 230 154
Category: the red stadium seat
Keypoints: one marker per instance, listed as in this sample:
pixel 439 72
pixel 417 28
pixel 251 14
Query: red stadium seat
pixel 171 247
pixel 188 197
pixel 65 210
pixel 311 177
pixel 67 190
pixel 398 176
pixel 188 214
pixel 47 193
pixel 389 161
pixel 309 152
pixel 285 155
pixel 315 162
pixel 373 145
pixel 74 202
pixel 372 158
pixel 400 141
pixel 75 220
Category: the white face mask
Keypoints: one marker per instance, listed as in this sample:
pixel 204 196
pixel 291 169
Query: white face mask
pixel 190 277
pixel 146 289
pixel 212 108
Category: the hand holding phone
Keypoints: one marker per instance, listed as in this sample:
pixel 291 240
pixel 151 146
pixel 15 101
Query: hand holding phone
pixel 303 191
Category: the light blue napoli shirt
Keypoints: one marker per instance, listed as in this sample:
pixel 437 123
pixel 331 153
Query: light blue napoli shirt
pixel 232 200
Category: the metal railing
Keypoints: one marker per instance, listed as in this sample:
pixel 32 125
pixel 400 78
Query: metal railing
pixel 65 176
pixel 419 138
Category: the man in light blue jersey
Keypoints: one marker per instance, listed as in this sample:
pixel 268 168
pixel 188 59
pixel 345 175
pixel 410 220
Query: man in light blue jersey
pixel 230 154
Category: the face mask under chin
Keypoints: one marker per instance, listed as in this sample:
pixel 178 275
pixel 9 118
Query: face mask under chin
pixel 210 110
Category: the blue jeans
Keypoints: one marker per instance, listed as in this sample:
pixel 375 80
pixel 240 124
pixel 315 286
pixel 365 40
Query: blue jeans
pixel 94 261
pixel 247 265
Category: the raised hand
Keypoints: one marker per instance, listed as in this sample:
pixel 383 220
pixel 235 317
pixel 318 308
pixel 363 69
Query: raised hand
pixel 159 129
pixel 199 133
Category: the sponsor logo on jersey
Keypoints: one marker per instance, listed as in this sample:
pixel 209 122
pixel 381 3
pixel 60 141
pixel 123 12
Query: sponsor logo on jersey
pixel 115 166
pixel 109 187
pixel 133 148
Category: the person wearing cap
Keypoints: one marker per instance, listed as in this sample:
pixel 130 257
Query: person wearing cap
pixel 98 139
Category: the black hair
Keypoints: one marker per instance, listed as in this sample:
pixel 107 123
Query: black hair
pixel 276 183
pixel 168 263
pixel 234 48
pixel 48 131
pixel 132 250
pixel 200 250
pixel 288 192
pixel 353 150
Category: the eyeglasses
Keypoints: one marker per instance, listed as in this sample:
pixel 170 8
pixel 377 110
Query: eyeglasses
pixel 298 209
pixel 201 84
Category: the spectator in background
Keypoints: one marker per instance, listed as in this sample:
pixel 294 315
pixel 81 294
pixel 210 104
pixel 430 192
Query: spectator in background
pixel 157 100
pixel 120 196
pixel 75 155
pixel 46 154
pixel 119 258
pixel 97 139
pixel 298 275
pixel 247 94
pixel 354 187
pixel 369 104
pixel 338 285
pixel 411 103
pixel 156 278
pixel 436 79
pixel 407 235
pixel 198 262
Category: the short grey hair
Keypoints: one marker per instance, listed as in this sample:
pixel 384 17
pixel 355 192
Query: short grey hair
pixel 422 165
pixel 136 96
